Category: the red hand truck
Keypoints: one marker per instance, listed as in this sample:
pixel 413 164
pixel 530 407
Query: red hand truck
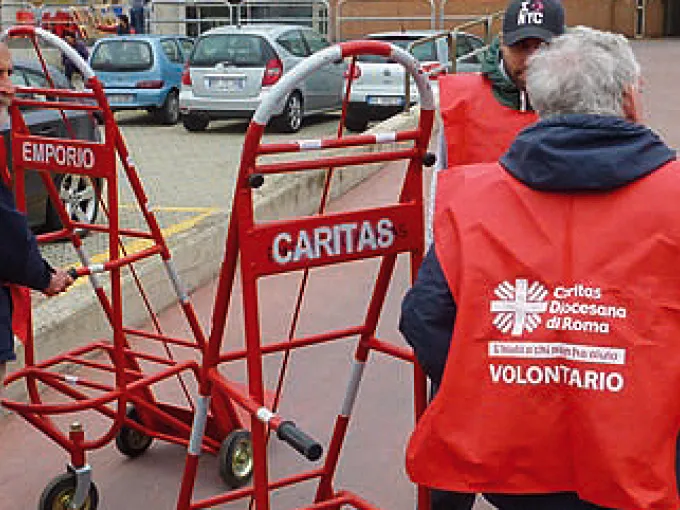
pixel 119 383
pixel 260 249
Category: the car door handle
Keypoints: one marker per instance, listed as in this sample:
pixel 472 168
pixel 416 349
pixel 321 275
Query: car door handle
pixel 47 131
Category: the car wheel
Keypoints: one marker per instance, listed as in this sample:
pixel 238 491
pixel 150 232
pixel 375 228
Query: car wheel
pixel 195 122
pixel 290 121
pixel 78 193
pixel 354 123
pixel 168 114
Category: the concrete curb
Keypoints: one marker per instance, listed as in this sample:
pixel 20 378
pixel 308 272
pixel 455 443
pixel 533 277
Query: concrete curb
pixel 75 318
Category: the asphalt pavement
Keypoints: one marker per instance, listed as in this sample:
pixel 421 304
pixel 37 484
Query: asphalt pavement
pixel 372 460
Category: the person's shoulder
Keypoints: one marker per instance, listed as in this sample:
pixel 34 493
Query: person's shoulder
pixel 472 174
pixel 460 80
pixel 456 88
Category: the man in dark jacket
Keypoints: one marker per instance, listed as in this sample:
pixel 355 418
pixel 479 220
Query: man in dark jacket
pixel 79 46
pixel 20 260
pixel 587 144
pixel 482 113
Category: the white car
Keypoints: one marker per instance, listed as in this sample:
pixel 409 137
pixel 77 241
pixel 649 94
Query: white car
pixel 378 85
pixel 232 68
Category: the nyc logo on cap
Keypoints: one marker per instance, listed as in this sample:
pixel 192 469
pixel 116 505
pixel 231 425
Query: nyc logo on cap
pixel 531 13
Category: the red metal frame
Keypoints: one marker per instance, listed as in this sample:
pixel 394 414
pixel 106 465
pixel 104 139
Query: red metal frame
pixel 269 248
pixel 127 381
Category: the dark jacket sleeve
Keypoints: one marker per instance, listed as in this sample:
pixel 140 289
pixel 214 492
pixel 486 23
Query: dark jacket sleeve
pixel 20 259
pixel 428 313
pixel 82 50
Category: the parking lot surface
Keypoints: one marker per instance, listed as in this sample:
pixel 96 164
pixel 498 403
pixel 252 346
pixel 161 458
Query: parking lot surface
pixel 189 177
pixel 196 168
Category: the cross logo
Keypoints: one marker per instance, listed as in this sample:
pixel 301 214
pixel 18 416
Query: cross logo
pixel 519 306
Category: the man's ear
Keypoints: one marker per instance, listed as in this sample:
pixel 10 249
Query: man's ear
pixel 631 104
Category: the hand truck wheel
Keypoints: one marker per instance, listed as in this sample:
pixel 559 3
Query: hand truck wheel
pixel 236 458
pixel 59 493
pixel 130 441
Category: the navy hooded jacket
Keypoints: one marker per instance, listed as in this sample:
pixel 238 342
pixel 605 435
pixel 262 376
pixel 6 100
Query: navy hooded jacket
pixel 20 263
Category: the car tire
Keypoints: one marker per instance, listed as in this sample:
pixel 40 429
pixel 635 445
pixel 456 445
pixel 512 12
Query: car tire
pixel 79 194
pixel 290 121
pixel 356 124
pixel 194 122
pixel 168 114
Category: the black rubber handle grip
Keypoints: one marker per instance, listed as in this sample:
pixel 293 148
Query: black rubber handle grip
pixel 429 159
pixel 304 444
pixel 73 273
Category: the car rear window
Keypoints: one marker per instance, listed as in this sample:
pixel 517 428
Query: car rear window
pixel 231 49
pixel 122 56
pixel 423 52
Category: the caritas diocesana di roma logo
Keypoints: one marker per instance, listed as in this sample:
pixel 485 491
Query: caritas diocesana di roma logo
pixel 523 306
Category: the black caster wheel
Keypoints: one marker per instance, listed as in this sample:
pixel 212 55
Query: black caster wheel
pixel 60 491
pixel 132 442
pixel 236 459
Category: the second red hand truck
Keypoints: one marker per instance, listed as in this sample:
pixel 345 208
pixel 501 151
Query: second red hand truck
pixel 117 378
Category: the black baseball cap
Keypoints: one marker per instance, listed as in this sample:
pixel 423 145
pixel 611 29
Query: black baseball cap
pixel 526 19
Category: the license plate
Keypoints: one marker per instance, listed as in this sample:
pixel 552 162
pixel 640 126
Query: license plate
pixel 121 98
pixel 385 100
pixel 225 84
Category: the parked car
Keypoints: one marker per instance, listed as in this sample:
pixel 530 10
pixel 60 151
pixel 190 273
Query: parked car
pixel 142 72
pixel 378 84
pixel 79 193
pixel 231 69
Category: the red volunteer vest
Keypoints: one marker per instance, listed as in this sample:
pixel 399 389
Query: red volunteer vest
pixel 564 369
pixel 478 128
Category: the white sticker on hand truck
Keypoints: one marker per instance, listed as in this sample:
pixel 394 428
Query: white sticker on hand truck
pixel 58 154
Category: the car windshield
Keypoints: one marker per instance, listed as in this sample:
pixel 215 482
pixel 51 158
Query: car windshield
pixel 115 55
pixel 423 52
pixel 230 49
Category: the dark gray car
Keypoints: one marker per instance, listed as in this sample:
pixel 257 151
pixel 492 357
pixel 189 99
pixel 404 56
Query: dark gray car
pixel 78 193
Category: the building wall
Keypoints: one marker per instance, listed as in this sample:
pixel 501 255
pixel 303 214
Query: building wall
pixel 615 15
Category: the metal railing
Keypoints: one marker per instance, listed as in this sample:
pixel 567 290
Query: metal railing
pixel 452 43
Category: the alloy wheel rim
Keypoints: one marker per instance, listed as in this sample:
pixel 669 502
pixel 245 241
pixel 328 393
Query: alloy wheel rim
pixel 295 112
pixel 79 197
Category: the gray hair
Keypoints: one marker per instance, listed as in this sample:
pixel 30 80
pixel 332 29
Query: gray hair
pixel 583 71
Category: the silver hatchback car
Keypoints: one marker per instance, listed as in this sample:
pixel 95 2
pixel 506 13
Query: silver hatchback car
pixel 232 68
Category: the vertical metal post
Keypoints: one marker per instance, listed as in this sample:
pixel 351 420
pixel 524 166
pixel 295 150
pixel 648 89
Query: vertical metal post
pixel 640 18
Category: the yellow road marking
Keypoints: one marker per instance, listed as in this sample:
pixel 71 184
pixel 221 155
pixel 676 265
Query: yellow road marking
pixel 138 245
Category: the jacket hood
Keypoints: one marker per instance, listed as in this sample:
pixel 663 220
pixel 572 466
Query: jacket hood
pixel 504 89
pixel 584 153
